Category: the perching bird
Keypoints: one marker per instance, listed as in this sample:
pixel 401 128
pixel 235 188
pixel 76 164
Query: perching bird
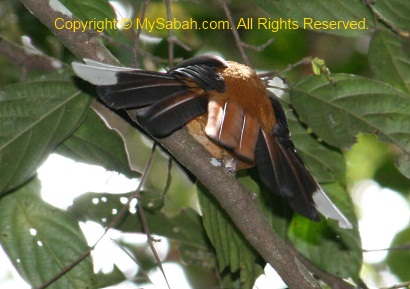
pixel 227 108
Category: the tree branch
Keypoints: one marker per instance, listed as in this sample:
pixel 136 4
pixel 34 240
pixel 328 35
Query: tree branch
pixel 22 57
pixel 238 202
pixel 241 206
pixel 84 43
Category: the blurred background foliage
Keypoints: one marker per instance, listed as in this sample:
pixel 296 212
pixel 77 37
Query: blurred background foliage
pixel 343 52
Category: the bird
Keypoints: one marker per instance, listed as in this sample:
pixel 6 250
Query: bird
pixel 227 108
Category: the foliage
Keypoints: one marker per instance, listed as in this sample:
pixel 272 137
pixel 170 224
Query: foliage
pixel 48 112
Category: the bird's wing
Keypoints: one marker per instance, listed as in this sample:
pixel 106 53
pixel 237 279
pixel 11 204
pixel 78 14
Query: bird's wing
pixel 166 101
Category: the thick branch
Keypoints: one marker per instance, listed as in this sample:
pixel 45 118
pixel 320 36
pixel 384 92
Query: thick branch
pixel 240 205
pixel 85 43
pixel 233 197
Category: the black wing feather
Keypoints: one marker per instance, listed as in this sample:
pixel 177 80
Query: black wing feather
pixel 170 114
pixel 204 76
pixel 166 101
pixel 202 70
pixel 212 61
pixel 139 88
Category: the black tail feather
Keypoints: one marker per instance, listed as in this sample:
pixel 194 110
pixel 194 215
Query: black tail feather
pixel 282 170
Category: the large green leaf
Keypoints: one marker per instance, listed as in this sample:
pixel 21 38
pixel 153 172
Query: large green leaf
pixel 324 162
pixel 338 112
pixel 276 209
pixel 301 11
pixel 94 143
pixel 232 249
pixel 36 116
pixel 388 60
pixel 319 240
pixel 390 63
pixel 41 240
pixel 396 12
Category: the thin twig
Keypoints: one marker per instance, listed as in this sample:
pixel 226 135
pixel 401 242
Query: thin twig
pixel 141 270
pixel 150 240
pixel 404 247
pixel 399 285
pixel 381 18
pixel 239 43
pixel 259 48
pixel 170 35
pixel 235 33
pixel 172 39
pixel 135 49
pixel 303 61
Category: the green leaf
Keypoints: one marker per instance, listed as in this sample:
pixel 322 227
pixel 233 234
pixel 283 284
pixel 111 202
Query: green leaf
pixel 36 116
pixel 319 240
pixel 326 164
pixel 101 208
pixel 388 60
pixel 232 249
pixel 138 148
pixel 200 269
pixel 158 179
pixel 338 112
pixel 41 240
pixel 94 143
pixel 110 279
pixel 403 165
pixel 275 208
pixel 396 12
pixel 90 10
pixel 398 260
pixel 180 192
pixel 302 11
